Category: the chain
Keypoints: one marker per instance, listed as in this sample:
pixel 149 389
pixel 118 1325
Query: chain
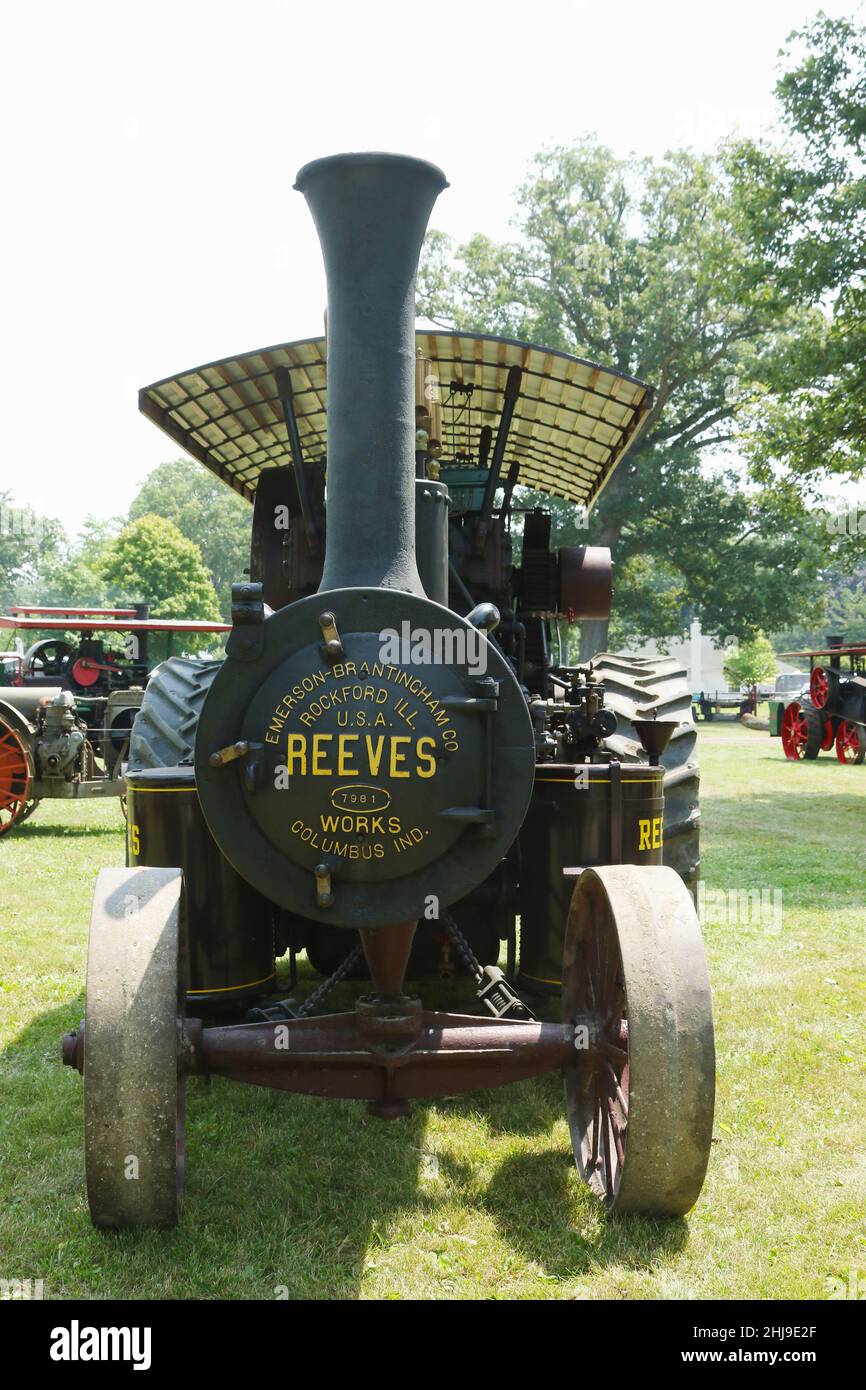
pixel 494 991
pixel 470 960
pixel 332 981
pixel 273 1013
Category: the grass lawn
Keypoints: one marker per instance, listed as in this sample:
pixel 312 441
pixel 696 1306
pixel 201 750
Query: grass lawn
pixel 477 1197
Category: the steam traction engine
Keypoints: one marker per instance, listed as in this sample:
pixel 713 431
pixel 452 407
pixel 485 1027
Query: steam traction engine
pixel 68 709
pixel 390 763
pixel 834 716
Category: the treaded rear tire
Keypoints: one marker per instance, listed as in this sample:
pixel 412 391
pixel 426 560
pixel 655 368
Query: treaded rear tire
pixel 641 688
pixel 815 722
pixel 163 733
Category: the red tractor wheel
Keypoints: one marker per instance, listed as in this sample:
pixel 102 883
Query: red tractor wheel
pixel 15 778
pixel 823 687
pixel 850 743
pixel 804 732
pixel 819 687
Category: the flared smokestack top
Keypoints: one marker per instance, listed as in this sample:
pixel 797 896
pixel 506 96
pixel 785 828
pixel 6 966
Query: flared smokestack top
pixel 371 213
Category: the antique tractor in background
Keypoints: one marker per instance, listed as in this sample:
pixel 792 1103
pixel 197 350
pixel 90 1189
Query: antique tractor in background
pixel 834 716
pixel 67 710
pixel 392 766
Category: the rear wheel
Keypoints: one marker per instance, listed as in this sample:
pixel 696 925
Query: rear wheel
pixel 805 731
pixel 163 733
pixel 645 689
pixel 823 687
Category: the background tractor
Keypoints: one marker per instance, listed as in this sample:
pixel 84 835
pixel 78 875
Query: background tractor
pixel 833 717
pixel 394 763
pixel 71 698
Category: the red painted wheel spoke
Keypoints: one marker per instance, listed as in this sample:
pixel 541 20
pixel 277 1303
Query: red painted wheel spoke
pixel 596 1122
pixel 614 1079
pixel 819 687
pixel 608 1166
pixel 848 743
pixel 617 1134
pixel 795 732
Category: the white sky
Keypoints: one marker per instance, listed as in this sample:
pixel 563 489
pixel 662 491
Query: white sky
pixel 150 148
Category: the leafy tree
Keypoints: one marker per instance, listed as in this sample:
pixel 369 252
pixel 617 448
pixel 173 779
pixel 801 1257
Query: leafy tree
pixel 753 662
pixel 70 572
pixel 151 562
pixel 207 512
pixel 842 610
pixel 27 541
pixel 803 207
pixel 646 268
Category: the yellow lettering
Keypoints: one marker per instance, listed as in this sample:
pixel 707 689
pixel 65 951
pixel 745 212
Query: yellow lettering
pixel 375 759
pixel 344 754
pixel 319 753
pixel 428 759
pixel 397 757
pixel 297 752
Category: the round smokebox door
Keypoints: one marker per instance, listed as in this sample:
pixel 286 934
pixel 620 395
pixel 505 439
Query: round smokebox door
pixel 366 762
pixel 398 767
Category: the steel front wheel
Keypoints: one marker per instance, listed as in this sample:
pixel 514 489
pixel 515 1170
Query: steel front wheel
pixel 640 1095
pixel 133 1096
pixel 850 743
pixel 823 687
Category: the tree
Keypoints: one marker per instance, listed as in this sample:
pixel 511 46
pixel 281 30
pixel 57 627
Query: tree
pixel 26 542
pixel 70 572
pixel 645 267
pixel 151 562
pixel 754 661
pixel 842 611
pixel 803 208
pixel 207 512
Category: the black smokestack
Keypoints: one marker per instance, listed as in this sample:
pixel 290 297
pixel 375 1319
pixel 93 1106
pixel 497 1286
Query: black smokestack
pixel 371 213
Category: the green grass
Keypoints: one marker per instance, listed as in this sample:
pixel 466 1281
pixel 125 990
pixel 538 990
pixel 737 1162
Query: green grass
pixel 476 1197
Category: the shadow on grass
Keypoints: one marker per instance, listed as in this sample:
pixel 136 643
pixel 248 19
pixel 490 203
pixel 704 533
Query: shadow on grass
pixel 287 1192
pixel 531 1197
pixel 33 830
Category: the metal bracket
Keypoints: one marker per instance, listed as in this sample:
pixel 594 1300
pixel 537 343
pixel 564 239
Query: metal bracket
pixel 247 638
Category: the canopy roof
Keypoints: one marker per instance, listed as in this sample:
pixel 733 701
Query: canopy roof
pixel 573 423
pixel 94 624
pixel 827 651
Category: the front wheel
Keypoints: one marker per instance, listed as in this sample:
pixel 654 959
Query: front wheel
pixel 133 1095
pixel 850 743
pixel 640 1097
